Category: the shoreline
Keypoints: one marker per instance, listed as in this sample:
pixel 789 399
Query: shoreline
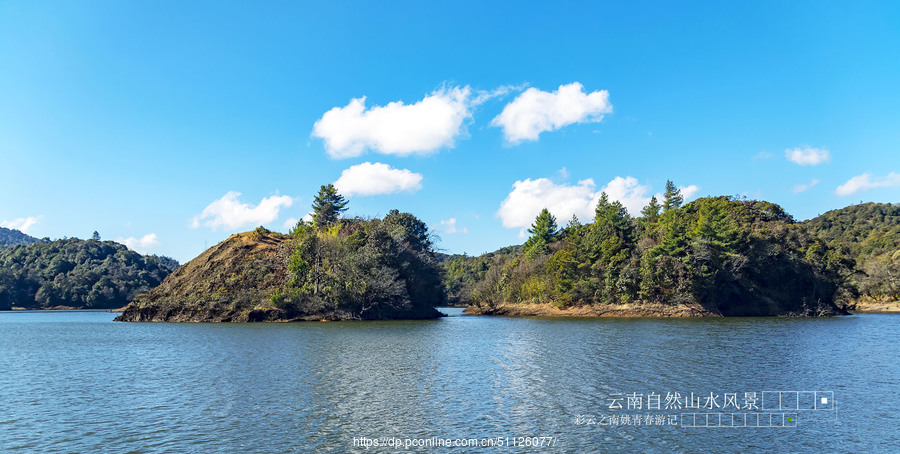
pixel 649 310
pixel 874 307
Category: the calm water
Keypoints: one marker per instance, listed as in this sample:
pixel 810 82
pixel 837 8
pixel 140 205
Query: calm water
pixel 79 382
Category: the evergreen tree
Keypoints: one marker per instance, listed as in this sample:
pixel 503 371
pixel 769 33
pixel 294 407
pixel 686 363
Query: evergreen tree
pixel 328 205
pixel 611 218
pixel 651 211
pixel 95 236
pixel 673 198
pixel 544 226
pixel 543 232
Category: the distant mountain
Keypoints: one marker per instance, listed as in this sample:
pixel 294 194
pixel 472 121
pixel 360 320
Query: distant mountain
pixel 77 273
pixel 12 237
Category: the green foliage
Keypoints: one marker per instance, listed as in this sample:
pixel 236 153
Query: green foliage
pixel 328 205
pixel 672 198
pixel 77 273
pixel 727 256
pixel 12 237
pixel 651 211
pixel 543 232
pixel 373 269
pixel 867 234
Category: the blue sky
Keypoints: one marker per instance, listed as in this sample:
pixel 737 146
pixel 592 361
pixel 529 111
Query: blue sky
pixel 174 124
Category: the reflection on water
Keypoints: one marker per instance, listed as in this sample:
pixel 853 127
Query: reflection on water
pixel 79 382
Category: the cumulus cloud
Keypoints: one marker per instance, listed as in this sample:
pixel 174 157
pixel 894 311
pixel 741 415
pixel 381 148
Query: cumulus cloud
pixel 397 128
pixel 377 178
pixel 139 244
pixel 529 197
pixel 230 213
pixel 535 111
pixel 866 181
pixel 21 224
pixel 449 226
pixel 807 156
pixel 803 187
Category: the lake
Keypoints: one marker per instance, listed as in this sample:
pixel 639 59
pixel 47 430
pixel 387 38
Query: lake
pixel 79 382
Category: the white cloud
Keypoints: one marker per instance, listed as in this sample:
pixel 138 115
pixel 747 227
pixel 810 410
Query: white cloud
pixel 449 227
pixel 21 224
pixel 865 182
pixel 763 155
pixel 688 191
pixel 139 244
pixel 229 213
pixel 807 156
pixel 535 111
pixel 529 197
pixel 289 223
pixel 397 128
pixel 803 187
pixel 377 178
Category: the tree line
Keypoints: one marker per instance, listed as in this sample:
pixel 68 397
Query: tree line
pixel 728 255
pixel 77 273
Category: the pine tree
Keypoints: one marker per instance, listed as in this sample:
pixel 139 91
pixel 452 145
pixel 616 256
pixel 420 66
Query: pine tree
pixel 651 211
pixel 673 198
pixel 328 205
pixel 543 232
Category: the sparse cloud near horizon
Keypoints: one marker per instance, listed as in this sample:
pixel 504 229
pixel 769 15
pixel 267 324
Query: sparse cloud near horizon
pixel 804 187
pixel 807 156
pixel 141 244
pixel 866 181
pixel 21 224
pixel 529 197
pixel 449 227
pixel 230 213
pixel 375 179
pixel 536 111
pixel 423 127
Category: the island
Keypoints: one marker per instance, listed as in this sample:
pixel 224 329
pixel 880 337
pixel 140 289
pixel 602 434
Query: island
pixel 331 268
pixel 715 256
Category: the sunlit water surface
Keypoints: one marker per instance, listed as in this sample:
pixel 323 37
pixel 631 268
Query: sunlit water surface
pixel 79 382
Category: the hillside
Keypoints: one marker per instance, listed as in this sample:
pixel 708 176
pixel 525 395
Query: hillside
pixel 12 237
pixel 75 273
pixel 231 281
pixel 715 256
pixel 869 233
pixel 350 269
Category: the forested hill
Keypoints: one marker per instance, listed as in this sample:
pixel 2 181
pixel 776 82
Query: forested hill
pixel 867 229
pixel 713 256
pixel 869 233
pixel 12 237
pixel 77 273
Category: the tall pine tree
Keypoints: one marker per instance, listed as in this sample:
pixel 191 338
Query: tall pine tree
pixel 328 205
pixel 673 198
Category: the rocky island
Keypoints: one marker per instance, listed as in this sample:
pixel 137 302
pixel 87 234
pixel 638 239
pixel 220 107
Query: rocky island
pixel 327 269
